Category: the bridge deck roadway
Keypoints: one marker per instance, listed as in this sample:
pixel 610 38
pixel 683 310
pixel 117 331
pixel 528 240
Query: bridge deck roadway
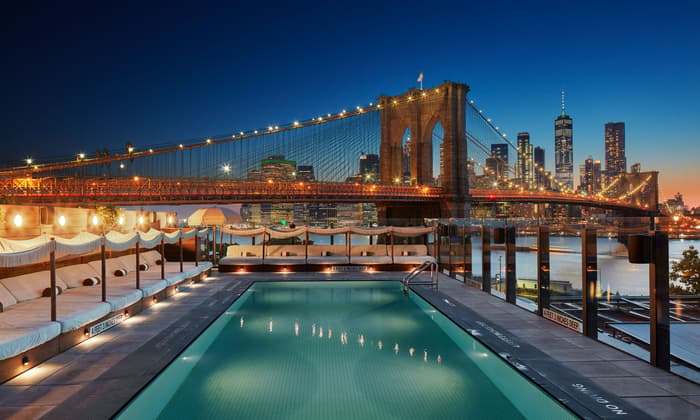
pixel 96 378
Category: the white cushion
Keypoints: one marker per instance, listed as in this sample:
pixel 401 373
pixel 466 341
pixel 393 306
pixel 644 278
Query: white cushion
pixel 6 298
pixel 30 286
pixel 20 331
pixel 74 275
pixel 129 262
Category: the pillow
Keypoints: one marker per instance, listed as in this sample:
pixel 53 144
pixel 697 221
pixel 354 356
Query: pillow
pixel 91 281
pixel 325 254
pixel 405 253
pixel 363 253
pixel 120 272
pixel 159 262
pixel 143 267
pixel 47 291
pixel 249 254
pixel 0 306
pixel 284 253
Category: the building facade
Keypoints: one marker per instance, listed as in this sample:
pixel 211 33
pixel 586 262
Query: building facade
pixel 615 159
pixel 525 163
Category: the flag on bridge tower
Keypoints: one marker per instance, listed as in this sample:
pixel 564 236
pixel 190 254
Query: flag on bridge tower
pixel 420 80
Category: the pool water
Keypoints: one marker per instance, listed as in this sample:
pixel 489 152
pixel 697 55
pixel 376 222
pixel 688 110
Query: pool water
pixel 338 350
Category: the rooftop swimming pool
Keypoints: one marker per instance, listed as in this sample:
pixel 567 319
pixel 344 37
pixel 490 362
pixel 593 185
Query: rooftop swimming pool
pixel 338 350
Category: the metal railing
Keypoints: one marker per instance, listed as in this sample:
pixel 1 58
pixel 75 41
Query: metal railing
pixel 432 265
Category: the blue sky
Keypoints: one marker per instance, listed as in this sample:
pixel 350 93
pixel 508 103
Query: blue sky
pixel 83 77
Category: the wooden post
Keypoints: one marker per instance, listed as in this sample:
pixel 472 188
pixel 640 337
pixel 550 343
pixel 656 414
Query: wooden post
pixel 162 259
pixel 511 278
pixel 138 263
pixel 659 317
pixel 542 269
pixel 391 237
pixel 196 250
pixel 181 259
pixel 52 262
pixel 103 255
pixel 213 247
pixel 589 277
pixel 486 259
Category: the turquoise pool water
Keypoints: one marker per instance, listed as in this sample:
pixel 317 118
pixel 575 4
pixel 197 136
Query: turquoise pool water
pixel 338 350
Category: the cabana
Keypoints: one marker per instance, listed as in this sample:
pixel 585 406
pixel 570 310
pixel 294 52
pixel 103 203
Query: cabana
pixel 84 288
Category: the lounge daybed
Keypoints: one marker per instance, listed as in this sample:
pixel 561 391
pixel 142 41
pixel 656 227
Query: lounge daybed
pixel 242 255
pixel 369 255
pixel 285 254
pixel 327 254
pixel 27 333
pixel 411 254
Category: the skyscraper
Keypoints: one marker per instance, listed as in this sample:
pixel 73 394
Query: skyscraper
pixel 590 176
pixel 538 166
pixel 615 159
pixel 369 167
pixel 500 150
pixel 564 147
pixel 525 174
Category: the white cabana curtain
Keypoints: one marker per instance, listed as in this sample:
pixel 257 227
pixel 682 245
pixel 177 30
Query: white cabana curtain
pixel 284 234
pixel 150 239
pixel 369 231
pixel 412 231
pixel 243 233
pixel 322 231
pixel 14 259
pixel 82 243
pixel 121 241
pixel 172 237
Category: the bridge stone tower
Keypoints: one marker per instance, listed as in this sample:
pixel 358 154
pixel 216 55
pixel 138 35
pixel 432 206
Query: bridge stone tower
pixel 420 111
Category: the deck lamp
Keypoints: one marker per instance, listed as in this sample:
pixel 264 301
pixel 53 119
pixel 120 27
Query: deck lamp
pixel 18 220
pixel 25 361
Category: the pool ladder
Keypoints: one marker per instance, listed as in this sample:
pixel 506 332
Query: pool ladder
pixel 432 266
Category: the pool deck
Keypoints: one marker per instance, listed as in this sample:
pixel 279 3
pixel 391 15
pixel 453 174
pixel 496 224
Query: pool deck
pixel 97 377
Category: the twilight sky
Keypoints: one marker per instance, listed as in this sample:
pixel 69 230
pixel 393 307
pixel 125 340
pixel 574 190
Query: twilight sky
pixel 81 77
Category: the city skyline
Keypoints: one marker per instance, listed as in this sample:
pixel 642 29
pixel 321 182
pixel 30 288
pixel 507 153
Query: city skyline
pixel 86 78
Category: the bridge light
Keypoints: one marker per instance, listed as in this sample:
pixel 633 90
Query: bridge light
pixel 182 145
pixel 424 94
pixel 371 104
pixel 241 133
pixel 121 165
pixel 269 181
pixel 62 220
pixel 136 178
pixel 255 132
pixel 208 141
pixel 150 150
pixel 277 127
pixel 227 168
pixel 329 115
pixel 81 156
pixel 488 119
pixel 29 161
pixel 296 123
pixel 269 128
pixel 471 101
pixel 130 149
pixel 18 220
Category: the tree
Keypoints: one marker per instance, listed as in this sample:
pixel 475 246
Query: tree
pixel 687 270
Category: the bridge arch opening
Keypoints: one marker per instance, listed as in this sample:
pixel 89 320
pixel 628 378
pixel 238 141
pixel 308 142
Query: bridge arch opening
pixel 406 143
pixel 436 148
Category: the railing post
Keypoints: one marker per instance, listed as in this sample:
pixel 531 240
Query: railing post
pixel 467 258
pixel 589 278
pixel 213 248
pixel 659 333
pixel 542 269
pixel 511 278
pixel 486 259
